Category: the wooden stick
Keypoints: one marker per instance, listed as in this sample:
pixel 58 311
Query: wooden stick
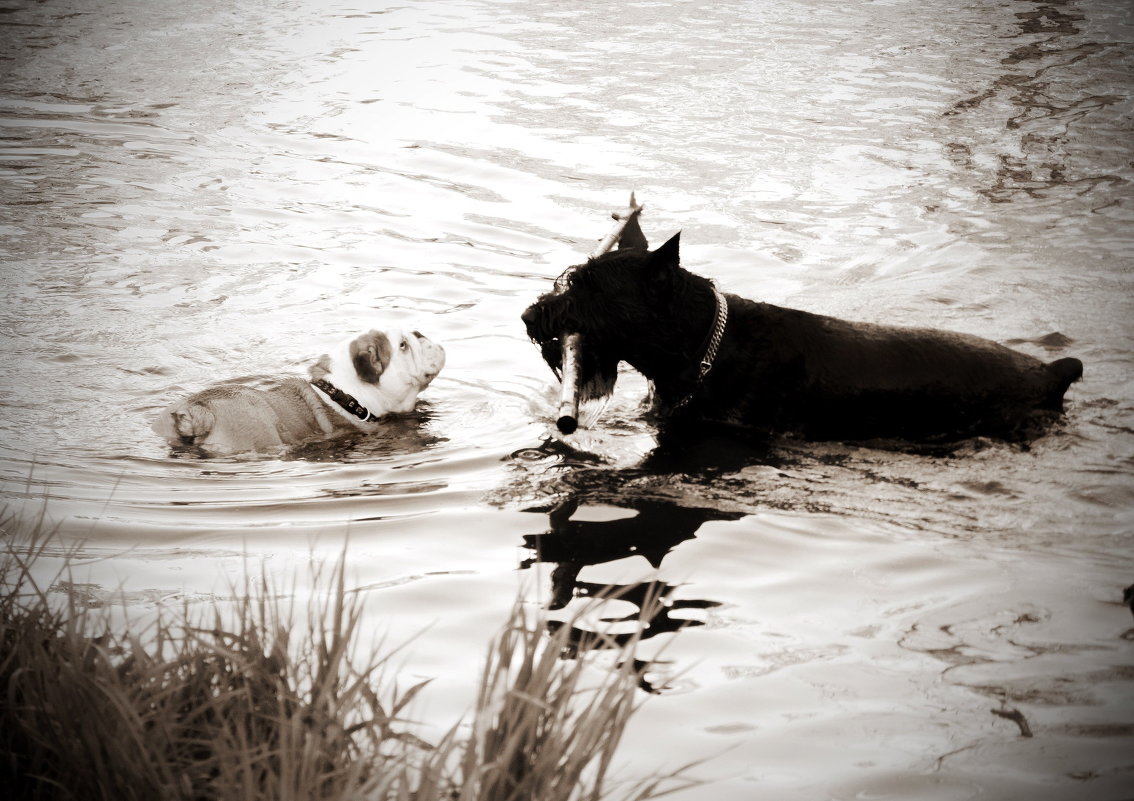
pixel 568 419
pixel 622 219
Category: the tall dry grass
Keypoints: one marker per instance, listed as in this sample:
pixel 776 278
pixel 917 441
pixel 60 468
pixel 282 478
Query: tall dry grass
pixel 267 701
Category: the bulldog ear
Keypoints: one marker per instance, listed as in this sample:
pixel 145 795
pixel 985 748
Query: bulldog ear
pixel 370 354
pixel 666 257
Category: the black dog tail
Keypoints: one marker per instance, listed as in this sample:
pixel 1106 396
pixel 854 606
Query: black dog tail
pixel 1066 372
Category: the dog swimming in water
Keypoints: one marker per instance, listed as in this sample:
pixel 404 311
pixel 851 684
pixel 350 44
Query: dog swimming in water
pixel 718 357
pixel 351 388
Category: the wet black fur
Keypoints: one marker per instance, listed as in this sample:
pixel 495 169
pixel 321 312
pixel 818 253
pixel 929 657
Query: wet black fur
pixel 781 370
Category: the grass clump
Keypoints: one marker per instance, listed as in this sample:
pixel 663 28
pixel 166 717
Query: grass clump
pixel 262 701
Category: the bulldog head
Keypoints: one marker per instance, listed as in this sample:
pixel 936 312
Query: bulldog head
pixel 383 370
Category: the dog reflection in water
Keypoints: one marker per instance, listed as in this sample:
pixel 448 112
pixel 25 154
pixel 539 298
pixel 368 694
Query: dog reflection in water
pixel 656 528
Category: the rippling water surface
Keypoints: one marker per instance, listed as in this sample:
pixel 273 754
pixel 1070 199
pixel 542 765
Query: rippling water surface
pixel 198 192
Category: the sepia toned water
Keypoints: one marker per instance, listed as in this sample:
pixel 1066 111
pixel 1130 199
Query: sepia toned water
pixel 198 192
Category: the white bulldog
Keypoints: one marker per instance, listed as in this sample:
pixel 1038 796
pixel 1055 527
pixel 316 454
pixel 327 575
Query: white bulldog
pixel 351 388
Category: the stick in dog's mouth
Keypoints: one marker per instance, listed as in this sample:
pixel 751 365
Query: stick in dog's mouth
pixel 582 381
pixel 568 418
pixel 571 344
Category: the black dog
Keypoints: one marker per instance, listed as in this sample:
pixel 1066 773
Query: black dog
pixel 722 358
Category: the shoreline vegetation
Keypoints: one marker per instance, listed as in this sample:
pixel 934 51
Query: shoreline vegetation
pixel 265 700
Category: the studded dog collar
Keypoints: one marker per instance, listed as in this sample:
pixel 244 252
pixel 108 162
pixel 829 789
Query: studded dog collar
pixel 710 356
pixel 344 400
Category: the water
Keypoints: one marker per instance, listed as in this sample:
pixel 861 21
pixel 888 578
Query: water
pixel 193 193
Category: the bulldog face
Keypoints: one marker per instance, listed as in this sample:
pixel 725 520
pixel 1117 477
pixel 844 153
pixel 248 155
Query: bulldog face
pixel 385 370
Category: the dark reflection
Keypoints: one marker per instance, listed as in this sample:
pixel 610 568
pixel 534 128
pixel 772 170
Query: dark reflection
pixel 655 607
pixel 657 527
pixel 654 615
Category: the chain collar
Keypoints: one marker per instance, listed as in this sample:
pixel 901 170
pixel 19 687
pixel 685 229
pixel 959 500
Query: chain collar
pixel 711 351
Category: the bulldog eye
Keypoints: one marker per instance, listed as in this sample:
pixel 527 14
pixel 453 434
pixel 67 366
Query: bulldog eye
pixel 404 345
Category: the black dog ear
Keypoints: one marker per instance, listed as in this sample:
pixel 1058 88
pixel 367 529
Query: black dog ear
pixel 667 257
